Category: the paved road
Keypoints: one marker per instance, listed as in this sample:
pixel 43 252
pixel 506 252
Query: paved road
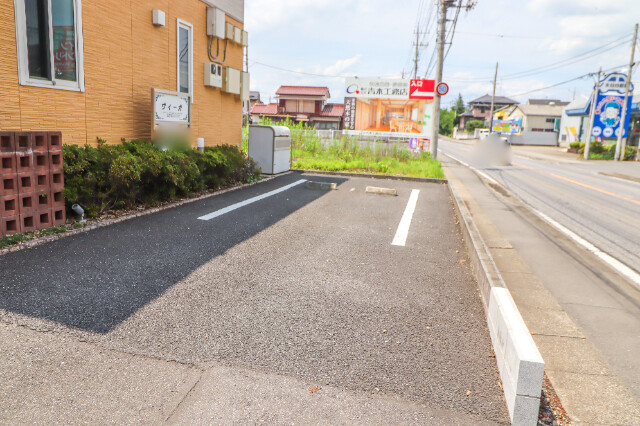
pixel 297 290
pixel 604 305
pixel 603 210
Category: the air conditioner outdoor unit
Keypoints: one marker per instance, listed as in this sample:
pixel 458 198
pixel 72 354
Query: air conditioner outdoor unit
pixel 231 80
pixel 212 74
pixel 215 22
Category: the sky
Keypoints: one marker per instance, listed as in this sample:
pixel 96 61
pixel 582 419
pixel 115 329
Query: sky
pixel 332 39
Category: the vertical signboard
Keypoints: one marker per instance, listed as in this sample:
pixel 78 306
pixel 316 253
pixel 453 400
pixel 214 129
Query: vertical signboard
pixel 349 113
pixel 608 114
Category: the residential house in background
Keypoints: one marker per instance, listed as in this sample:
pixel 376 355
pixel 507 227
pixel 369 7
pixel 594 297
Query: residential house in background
pixel 479 109
pixel 536 117
pixel 68 65
pixel 306 104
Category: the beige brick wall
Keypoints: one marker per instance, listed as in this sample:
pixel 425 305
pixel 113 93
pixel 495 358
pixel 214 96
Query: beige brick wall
pixel 125 56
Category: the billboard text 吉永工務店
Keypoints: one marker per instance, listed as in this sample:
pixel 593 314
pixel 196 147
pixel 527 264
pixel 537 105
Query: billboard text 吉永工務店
pixel 385 108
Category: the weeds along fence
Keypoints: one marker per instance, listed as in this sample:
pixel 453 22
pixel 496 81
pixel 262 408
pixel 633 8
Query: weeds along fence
pixel 305 139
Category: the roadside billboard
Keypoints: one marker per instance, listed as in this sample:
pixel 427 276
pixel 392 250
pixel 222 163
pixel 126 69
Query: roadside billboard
pixel 388 107
pixel 606 120
pixel 510 127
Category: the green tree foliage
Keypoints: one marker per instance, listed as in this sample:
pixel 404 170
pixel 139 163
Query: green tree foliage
pixel 473 125
pixel 446 121
pixel 460 107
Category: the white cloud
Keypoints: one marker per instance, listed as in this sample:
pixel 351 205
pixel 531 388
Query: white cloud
pixel 342 65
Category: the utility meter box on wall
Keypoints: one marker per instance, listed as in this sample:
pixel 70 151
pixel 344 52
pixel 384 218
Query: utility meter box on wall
pixel 231 80
pixel 244 90
pixel 215 22
pixel 212 74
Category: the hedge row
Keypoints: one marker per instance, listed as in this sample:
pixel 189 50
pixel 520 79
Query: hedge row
pixel 138 173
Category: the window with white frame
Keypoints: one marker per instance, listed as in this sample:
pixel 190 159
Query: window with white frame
pixel 49 39
pixel 185 58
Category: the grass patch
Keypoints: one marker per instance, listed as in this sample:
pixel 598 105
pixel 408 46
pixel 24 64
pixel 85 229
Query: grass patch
pixel 11 240
pixel 310 152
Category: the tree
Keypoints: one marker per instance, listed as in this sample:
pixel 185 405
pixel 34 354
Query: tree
pixel 446 121
pixel 473 125
pixel 460 107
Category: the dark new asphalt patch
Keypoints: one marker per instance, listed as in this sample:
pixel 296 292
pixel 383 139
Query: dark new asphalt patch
pixel 94 281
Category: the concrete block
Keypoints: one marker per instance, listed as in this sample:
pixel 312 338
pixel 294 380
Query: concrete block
pixel 8 185
pixel 381 191
pixel 55 160
pixel 11 225
pixel 43 219
pixel 26 183
pixel 41 180
pixel 58 216
pixel 28 222
pixel 27 202
pixel 40 141
pixel 24 162
pixel 55 141
pixel 43 199
pixel 23 141
pixel 56 179
pixel 7 142
pixel 41 161
pixel 57 198
pixel 7 163
pixel 520 364
pixel 9 205
pixel 325 186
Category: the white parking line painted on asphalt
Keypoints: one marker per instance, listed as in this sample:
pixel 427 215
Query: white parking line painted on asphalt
pixel 250 201
pixel 402 232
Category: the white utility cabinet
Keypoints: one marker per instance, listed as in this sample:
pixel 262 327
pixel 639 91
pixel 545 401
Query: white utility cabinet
pixel 270 148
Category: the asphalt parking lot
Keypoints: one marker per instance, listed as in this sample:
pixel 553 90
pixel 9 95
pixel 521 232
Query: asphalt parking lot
pixel 299 285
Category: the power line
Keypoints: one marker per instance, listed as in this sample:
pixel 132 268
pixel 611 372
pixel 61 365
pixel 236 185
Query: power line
pixel 300 72
pixel 568 81
pixel 554 65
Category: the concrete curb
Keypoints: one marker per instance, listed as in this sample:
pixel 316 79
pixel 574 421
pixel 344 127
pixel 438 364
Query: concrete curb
pixel 91 227
pixel 381 191
pixel 371 176
pixel 323 186
pixel 519 362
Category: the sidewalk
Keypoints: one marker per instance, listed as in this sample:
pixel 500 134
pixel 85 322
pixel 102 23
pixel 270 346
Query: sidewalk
pixel 589 389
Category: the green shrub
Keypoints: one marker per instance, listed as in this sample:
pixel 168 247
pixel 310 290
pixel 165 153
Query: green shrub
pixel 576 145
pixel 472 125
pixel 137 172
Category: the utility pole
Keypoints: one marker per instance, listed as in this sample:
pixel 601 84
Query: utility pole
pixel 592 115
pixel 493 99
pixel 416 57
pixel 626 96
pixel 442 5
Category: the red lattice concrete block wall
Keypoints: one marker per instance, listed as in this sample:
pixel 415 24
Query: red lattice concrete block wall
pixel 31 181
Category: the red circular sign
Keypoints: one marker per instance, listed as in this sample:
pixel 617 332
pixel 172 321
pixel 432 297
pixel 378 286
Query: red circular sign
pixel 442 89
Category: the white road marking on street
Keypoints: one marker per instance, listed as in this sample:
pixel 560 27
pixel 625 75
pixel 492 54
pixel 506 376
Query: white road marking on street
pixel 618 266
pixel 250 201
pixel 481 173
pixel 402 232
